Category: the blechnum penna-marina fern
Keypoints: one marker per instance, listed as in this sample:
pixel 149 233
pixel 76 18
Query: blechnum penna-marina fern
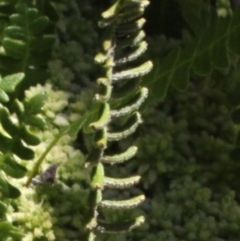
pixel 23 43
pixel 26 44
pixel 27 41
pixel 16 137
pixel 120 96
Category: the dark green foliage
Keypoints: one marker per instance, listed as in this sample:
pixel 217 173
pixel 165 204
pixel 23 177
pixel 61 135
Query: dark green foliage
pixel 11 167
pixel 233 96
pixel 27 41
pixel 70 211
pixel 77 43
pixel 207 52
pixel 236 116
pixel 35 104
pixel 13 137
pixel 77 126
pixel 8 190
pixel 189 167
pixel 46 8
pixel 25 38
pixel 7 229
pixel 188 148
pixel 8 85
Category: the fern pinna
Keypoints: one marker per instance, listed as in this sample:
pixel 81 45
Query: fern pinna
pixel 120 96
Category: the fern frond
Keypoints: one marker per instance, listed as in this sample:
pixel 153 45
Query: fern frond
pixel 15 139
pixel 27 42
pixel 16 135
pixel 207 52
pixel 121 96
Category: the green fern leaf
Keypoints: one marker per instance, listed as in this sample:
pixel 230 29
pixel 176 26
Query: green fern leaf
pixel 26 42
pixel 22 151
pixel 7 123
pixel 28 137
pixel 7 230
pixel 39 25
pixel 5 143
pixel 35 104
pixel 76 126
pixel 7 189
pixel 14 48
pixel 206 53
pixel 9 82
pixel 35 121
pixel 9 165
pixel 15 32
pixel 3 96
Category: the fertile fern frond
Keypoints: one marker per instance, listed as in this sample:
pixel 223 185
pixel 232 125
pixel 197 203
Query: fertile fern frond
pixel 120 96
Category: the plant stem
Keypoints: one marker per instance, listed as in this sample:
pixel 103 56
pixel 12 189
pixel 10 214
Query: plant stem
pixel 42 157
